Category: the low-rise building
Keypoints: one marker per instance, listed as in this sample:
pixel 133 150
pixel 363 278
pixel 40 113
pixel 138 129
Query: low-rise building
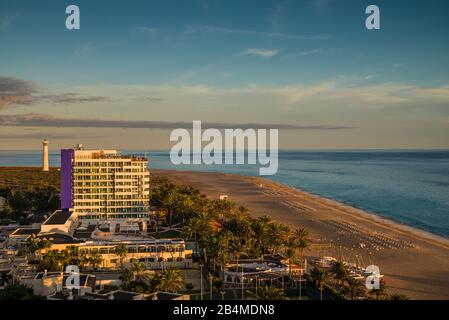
pixel 49 283
pixel 61 221
pixel 270 270
pixel 155 254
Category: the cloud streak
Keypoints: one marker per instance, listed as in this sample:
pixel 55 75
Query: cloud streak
pixel 24 92
pixel 40 135
pixel 41 120
pixel 264 53
pixel 15 90
pixel 304 53
pixel 212 29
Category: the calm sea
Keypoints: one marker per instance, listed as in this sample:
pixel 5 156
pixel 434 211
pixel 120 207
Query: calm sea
pixel 411 187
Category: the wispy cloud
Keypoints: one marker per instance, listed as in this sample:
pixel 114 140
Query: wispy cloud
pixel 39 134
pixel 265 53
pixel 20 91
pixel 303 53
pixel 41 120
pixel 212 29
pixel 15 90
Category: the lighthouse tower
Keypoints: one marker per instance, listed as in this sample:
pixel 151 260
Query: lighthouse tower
pixel 45 155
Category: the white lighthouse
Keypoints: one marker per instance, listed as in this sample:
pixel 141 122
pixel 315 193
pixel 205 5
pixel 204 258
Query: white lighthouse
pixel 45 155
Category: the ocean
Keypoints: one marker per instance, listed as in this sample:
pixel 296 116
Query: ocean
pixel 410 187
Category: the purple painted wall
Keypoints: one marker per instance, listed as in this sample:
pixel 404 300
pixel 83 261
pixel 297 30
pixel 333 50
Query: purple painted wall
pixel 66 178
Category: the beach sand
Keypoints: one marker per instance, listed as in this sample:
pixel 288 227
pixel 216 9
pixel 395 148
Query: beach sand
pixel 413 262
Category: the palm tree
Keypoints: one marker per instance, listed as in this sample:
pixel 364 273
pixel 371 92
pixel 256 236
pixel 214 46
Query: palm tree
pixel 169 202
pixel 354 289
pixel 320 278
pixel 35 245
pixel 126 276
pixel 83 259
pixel 51 261
pixel 73 257
pixel 267 293
pixel 169 280
pixel 223 248
pixel 277 235
pixel 185 207
pixel 95 259
pixel 291 256
pixel 121 250
pixel 340 271
pixel 159 216
pixel 138 269
pixel 380 293
pixel 302 240
pixel 198 227
pixel 239 249
pixel 397 296
pixel 7 210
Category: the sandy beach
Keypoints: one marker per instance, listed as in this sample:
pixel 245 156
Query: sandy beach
pixel 413 262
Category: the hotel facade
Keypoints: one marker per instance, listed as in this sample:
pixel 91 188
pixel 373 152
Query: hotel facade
pixel 104 184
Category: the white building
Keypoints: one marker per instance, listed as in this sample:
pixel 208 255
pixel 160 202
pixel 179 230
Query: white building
pixel 104 184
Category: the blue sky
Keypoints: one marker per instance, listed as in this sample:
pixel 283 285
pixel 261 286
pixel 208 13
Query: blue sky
pixel 308 62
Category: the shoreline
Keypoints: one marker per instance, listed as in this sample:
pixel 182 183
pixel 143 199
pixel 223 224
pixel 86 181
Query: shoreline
pixel 413 261
pixel 425 234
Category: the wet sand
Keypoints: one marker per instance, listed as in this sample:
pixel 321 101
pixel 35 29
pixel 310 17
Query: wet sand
pixel 413 262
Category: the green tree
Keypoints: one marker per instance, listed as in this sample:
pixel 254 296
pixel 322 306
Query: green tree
pixel 19 204
pixel 138 269
pixel 290 254
pixel 267 293
pixel 159 216
pixel 121 250
pixel 169 280
pixel 302 240
pixel 379 293
pixel 277 236
pixel 7 211
pixel 340 271
pixel 397 296
pixel 95 259
pixel 18 292
pixel 354 288
pixel 126 276
pixel 320 278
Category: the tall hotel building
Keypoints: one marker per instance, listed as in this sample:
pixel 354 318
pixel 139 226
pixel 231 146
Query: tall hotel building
pixel 104 184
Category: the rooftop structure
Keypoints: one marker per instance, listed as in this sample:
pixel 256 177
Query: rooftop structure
pixel 62 221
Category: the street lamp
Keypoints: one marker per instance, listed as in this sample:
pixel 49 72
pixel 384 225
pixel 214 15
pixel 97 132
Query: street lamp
pixel 242 285
pixel 210 280
pixel 201 280
pixel 256 283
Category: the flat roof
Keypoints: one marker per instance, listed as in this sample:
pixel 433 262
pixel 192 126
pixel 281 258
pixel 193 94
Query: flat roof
pixel 58 238
pixel 25 231
pixel 58 217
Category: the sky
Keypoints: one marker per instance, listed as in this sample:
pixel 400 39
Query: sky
pixel 138 69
